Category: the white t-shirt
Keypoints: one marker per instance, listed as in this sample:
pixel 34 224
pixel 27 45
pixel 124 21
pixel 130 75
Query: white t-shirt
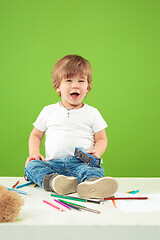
pixel 64 133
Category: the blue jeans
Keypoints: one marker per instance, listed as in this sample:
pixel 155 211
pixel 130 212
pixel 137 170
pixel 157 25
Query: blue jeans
pixel 70 166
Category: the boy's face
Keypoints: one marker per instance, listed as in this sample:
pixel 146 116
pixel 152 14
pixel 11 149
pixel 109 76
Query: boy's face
pixel 73 90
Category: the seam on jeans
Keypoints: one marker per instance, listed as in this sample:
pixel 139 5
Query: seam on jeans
pixel 80 175
pixel 75 173
pixel 29 175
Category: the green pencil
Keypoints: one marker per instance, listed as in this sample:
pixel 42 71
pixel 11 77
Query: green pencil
pixel 76 199
pixel 71 203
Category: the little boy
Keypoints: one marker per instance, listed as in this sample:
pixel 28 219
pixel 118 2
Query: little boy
pixel 68 124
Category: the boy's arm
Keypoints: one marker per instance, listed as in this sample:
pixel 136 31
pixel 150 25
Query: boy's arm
pixel 34 145
pixel 100 143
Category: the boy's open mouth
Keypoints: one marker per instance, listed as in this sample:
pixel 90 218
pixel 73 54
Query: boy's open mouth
pixel 74 94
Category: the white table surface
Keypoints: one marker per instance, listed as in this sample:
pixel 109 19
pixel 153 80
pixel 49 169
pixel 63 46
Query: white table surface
pixel 127 221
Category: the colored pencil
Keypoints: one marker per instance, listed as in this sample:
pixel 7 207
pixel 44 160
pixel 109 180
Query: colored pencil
pixel 126 198
pixel 77 199
pixel 70 205
pixel 24 185
pixel 21 192
pixel 114 204
pixel 15 184
pixel 62 204
pixel 74 207
pixel 81 207
pixel 52 205
pixel 77 205
pixel 133 192
pixel 90 210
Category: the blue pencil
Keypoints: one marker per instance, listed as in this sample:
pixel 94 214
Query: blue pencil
pixel 70 205
pixel 133 192
pixel 21 192
pixel 24 185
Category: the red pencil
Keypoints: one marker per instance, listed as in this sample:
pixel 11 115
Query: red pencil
pixel 15 184
pixel 126 198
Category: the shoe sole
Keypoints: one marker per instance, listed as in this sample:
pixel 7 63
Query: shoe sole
pixel 100 188
pixel 64 185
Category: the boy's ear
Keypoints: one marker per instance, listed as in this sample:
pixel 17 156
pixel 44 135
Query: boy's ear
pixel 58 89
pixel 88 90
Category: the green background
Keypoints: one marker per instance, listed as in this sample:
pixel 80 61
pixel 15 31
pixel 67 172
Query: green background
pixel 120 38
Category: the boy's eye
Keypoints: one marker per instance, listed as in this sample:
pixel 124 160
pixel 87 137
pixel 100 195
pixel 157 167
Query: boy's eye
pixel 68 80
pixel 81 80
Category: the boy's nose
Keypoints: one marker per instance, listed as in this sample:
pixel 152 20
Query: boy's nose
pixel 75 85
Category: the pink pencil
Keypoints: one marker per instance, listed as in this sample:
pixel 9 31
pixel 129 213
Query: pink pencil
pixel 51 204
pixel 62 204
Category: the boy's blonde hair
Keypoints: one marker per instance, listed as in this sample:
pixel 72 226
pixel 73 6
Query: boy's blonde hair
pixel 70 66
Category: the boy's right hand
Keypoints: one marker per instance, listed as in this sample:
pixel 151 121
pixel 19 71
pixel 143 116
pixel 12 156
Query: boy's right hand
pixel 34 157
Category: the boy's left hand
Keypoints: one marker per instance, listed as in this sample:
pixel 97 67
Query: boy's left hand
pixel 93 151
